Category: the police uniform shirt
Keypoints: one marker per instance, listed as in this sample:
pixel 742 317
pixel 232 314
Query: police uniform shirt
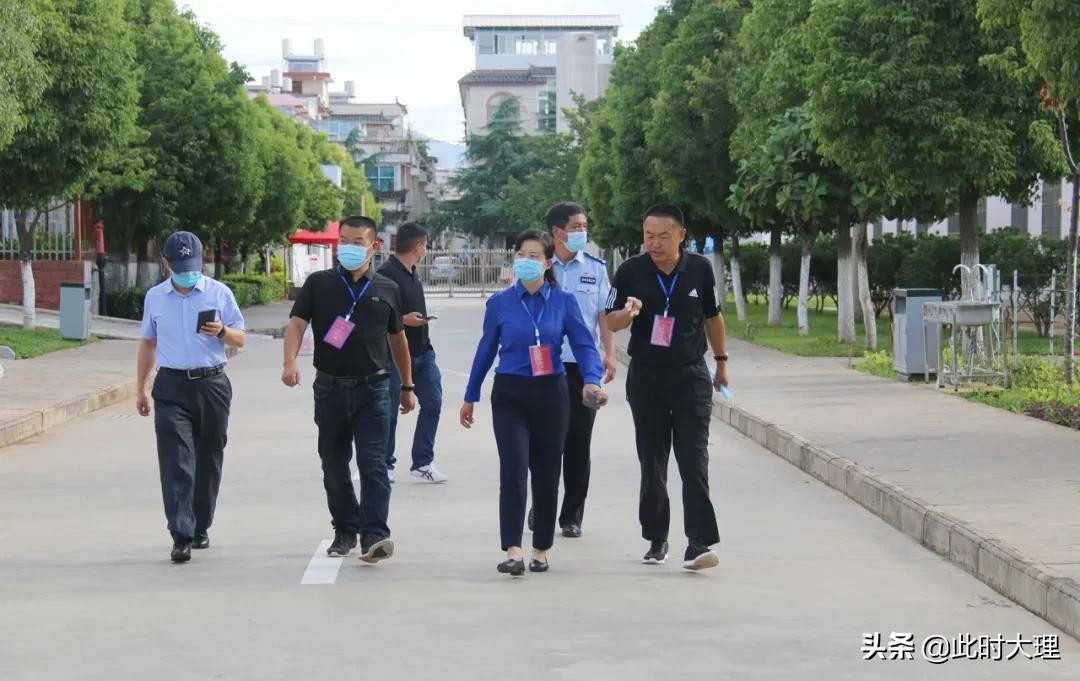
pixel 412 300
pixel 693 300
pixel 172 319
pixel 585 277
pixel 324 298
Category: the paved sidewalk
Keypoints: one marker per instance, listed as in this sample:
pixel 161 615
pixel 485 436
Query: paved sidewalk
pixel 270 320
pixel 102 327
pixel 995 492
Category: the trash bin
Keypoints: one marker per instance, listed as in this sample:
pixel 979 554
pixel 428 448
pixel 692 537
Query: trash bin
pixel 908 329
pixel 75 300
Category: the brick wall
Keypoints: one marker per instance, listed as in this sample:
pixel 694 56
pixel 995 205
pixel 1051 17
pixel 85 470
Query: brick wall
pixel 48 275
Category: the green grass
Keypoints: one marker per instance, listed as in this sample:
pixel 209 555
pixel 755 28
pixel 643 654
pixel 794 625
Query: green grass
pixel 822 342
pixel 37 342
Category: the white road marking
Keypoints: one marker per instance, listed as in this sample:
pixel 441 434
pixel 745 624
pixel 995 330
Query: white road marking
pixel 322 569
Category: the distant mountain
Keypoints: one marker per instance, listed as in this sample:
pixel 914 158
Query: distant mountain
pixel 451 156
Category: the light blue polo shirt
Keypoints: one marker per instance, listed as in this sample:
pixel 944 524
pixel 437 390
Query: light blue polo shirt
pixel 586 277
pixel 170 317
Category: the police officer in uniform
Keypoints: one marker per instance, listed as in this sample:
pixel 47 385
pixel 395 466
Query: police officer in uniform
pixel 586 278
pixel 667 297
pixel 188 320
pixel 353 311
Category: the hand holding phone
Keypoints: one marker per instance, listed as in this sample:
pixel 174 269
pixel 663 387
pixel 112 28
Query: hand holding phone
pixel 205 317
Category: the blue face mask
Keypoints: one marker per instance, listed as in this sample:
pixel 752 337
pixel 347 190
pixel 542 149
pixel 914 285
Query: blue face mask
pixel 186 279
pixel 528 270
pixel 352 257
pixel 576 241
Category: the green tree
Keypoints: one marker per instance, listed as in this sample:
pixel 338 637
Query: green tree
pixel 556 167
pixel 900 92
pixel 1050 31
pixel 86 111
pixel 23 77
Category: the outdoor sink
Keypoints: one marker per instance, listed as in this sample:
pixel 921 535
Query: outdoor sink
pixel 960 313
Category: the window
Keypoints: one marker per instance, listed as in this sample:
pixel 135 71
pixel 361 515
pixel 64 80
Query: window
pixel 487 43
pixel 1019 218
pixel 381 177
pixel 527 46
pixel 547 111
pixel 1051 211
pixel 551 47
pixel 603 46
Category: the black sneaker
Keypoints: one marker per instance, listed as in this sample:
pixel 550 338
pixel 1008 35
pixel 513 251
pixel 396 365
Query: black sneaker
pixel 344 543
pixel 657 554
pixel 201 541
pixel 698 557
pixel 181 551
pixel 373 549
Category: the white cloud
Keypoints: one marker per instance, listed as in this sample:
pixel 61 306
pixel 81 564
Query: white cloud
pixel 412 50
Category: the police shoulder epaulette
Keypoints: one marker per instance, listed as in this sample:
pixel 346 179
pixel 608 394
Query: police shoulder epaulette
pixel 590 256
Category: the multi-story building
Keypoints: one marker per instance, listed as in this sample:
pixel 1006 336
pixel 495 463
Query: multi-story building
pixel 540 61
pixel 401 173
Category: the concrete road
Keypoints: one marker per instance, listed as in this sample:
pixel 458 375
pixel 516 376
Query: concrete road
pixel 87 591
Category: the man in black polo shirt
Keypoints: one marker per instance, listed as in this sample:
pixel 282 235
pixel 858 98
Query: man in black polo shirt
pixel 353 312
pixel 409 250
pixel 668 299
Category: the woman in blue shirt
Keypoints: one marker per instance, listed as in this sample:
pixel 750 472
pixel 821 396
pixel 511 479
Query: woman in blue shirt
pixel 525 326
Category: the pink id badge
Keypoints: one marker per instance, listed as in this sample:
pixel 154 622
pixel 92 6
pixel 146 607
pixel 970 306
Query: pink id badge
pixel 339 332
pixel 662 330
pixel 540 355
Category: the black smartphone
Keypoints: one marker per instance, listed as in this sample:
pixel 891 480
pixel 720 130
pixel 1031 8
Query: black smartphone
pixel 429 318
pixel 205 317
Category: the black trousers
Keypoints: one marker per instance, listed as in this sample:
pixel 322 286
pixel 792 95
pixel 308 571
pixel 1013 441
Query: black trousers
pixel 577 452
pixel 530 416
pixel 673 406
pixel 359 415
pixel 191 419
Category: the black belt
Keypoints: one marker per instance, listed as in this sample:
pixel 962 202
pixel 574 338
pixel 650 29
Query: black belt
pixel 195 374
pixel 353 381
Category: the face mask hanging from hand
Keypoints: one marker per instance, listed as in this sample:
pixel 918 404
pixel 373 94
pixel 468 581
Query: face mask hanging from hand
pixel 185 279
pixel 576 241
pixel 528 270
pixel 352 257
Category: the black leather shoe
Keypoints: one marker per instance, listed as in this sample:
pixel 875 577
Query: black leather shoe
pixel 514 568
pixel 573 531
pixel 181 551
pixel 531 519
pixel 657 554
pixel 201 541
pixel 538 566
pixel 373 549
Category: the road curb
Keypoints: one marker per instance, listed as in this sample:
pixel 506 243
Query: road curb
pixel 999 566
pixel 38 421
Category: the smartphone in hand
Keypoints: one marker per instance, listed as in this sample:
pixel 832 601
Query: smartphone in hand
pixel 428 318
pixel 205 317
pixel 724 392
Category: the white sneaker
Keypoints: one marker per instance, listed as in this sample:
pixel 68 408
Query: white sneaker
pixel 390 474
pixel 429 474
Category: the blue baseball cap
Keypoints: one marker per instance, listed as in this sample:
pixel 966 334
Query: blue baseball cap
pixel 184 252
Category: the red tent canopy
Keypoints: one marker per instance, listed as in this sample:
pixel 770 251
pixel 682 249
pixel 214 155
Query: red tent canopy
pixel 327 237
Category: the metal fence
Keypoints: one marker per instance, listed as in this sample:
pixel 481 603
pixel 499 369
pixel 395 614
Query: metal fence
pixel 467 272
pixel 54 238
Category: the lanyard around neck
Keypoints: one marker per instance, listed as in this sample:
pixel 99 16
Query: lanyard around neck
pixel 537 320
pixel 353 294
pixel 668 290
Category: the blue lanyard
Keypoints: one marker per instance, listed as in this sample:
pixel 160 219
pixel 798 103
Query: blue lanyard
pixel 535 322
pixel 667 290
pixel 353 294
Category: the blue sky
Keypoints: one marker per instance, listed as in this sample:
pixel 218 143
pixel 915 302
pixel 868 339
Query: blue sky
pixel 413 50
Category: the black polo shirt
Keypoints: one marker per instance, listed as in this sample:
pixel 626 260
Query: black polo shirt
pixel 412 300
pixel 693 300
pixel 324 298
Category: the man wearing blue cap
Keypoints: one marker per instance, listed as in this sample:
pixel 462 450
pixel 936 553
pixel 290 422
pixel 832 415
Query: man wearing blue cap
pixel 188 320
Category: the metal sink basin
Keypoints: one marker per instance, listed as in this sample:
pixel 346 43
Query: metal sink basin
pixel 960 313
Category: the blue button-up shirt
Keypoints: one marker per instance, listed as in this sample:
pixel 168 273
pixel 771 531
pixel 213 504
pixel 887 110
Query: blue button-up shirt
pixel 509 331
pixel 586 278
pixel 171 317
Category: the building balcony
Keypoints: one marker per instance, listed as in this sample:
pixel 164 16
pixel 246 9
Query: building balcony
pixel 391 195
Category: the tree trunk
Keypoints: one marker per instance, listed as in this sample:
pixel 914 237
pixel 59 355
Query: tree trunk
pixel 218 265
pixel 1070 285
pixel 25 230
pixel 969 241
pixel 266 263
pixel 862 249
pixel 142 262
pixel 720 270
pixel 736 280
pixel 809 237
pixel 845 297
pixel 776 286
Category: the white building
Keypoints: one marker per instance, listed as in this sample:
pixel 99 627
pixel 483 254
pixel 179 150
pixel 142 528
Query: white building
pixel 539 60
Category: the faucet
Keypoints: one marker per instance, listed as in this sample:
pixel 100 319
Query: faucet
pixel 986 283
pixel 967 270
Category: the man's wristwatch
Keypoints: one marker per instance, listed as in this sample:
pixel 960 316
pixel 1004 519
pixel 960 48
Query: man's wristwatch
pixel 720 358
pixel 221 334
pixel 407 388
